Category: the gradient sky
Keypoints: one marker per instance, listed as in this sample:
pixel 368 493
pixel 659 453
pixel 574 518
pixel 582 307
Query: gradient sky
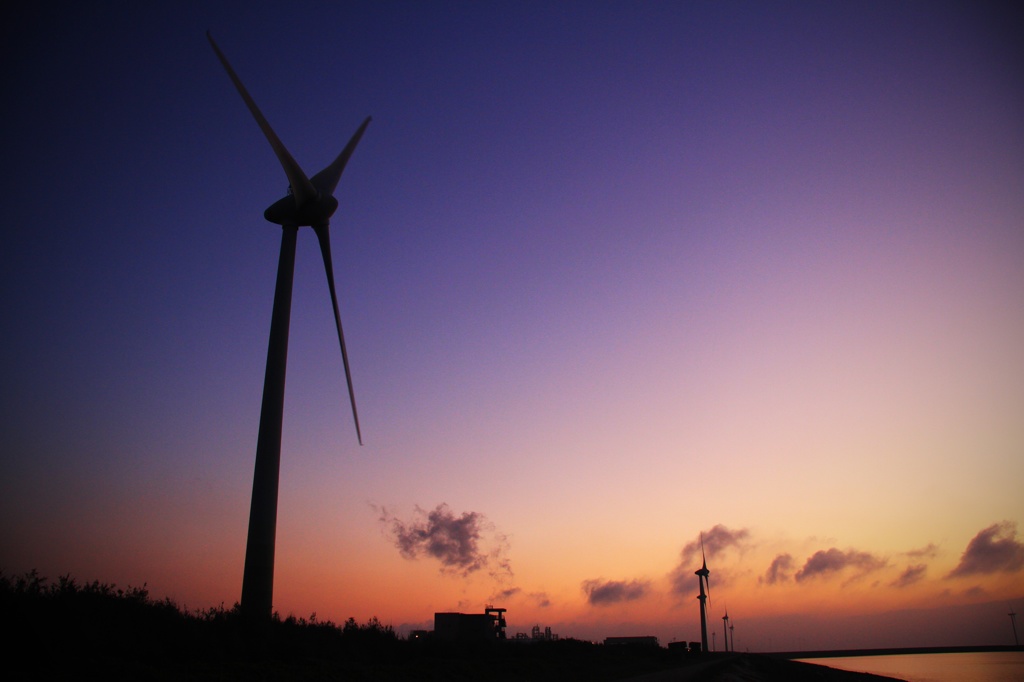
pixel 613 275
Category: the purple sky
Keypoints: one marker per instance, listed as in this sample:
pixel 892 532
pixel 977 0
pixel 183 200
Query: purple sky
pixel 611 274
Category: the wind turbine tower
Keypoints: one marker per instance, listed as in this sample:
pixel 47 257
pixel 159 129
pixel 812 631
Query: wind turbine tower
pixel 1013 624
pixel 309 202
pixel 702 580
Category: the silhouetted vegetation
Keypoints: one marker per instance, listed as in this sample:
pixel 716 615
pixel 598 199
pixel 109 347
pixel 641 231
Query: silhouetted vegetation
pixel 65 627
pixel 68 630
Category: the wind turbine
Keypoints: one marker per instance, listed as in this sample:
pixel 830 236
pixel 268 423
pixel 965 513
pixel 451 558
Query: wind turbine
pixel 702 580
pixel 725 627
pixel 309 202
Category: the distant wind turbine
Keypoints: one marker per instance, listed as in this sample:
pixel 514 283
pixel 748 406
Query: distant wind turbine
pixel 309 202
pixel 725 627
pixel 702 580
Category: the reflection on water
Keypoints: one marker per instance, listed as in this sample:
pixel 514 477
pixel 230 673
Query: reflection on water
pixel 999 666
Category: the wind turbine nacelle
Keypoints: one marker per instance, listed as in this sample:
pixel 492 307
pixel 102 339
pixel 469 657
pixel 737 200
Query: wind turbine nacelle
pixel 285 211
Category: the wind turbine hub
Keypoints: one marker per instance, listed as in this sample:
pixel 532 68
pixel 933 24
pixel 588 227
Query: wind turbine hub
pixel 286 211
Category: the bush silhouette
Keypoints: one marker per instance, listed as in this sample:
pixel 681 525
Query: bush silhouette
pixel 67 630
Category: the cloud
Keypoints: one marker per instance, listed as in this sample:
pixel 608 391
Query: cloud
pixel 463 544
pixel 910 576
pixel 976 592
pixel 780 571
pixel 541 599
pixel 538 599
pixel 832 561
pixel 716 541
pixel 930 551
pixel 992 550
pixel 505 595
pixel 601 592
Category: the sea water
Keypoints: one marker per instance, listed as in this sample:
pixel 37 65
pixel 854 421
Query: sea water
pixel 995 666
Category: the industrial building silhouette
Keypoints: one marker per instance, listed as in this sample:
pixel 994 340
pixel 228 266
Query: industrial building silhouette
pixel 471 627
pixel 488 626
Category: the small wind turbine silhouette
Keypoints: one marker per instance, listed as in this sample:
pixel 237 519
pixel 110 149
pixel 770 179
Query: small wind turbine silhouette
pixel 309 202
pixel 725 627
pixel 702 580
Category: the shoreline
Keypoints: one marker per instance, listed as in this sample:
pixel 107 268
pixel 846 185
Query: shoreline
pixel 852 653
pixel 754 668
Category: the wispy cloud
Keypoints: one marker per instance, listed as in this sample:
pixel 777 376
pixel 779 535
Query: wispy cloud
pixel 929 551
pixel 716 541
pixel 603 592
pixel 832 561
pixel 976 592
pixel 541 599
pixel 505 595
pixel 463 544
pixel 780 570
pixel 911 575
pixel 993 550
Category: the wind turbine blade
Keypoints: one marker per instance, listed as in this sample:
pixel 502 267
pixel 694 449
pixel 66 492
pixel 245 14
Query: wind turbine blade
pixel 302 189
pixel 324 236
pixel 327 179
